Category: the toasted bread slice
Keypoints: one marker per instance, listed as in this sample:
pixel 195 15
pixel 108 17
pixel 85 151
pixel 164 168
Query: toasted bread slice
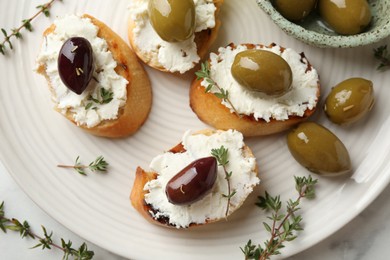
pixel 211 111
pixel 203 39
pixel 133 114
pixel 137 196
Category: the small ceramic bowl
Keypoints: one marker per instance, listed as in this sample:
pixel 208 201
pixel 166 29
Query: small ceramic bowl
pixel 313 32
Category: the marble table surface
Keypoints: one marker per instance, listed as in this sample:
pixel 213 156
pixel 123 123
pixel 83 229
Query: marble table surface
pixel 365 237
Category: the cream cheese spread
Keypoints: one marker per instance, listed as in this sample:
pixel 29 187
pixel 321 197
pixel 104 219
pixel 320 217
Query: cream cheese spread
pixel 105 76
pixel 213 206
pixel 302 96
pixel 174 57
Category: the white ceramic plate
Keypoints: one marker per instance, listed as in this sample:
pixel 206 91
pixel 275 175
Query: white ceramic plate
pixel 34 139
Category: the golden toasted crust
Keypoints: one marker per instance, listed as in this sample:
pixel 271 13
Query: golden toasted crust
pixel 137 195
pixel 209 109
pixel 139 94
pixel 203 40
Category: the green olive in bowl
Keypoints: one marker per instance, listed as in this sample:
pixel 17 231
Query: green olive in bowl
pixel 349 101
pixel 346 17
pixel 262 71
pixel 319 150
pixel 295 10
pixel 173 20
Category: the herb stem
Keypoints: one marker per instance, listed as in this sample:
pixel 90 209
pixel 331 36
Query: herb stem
pixel 204 73
pixel 99 164
pixel 26 23
pixel 229 191
pixel 45 241
pixel 276 231
pixel 221 155
pixel 284 226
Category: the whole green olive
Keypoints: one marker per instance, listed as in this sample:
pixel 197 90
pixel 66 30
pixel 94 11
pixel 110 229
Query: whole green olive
pixel 295 10
pixel 318 149
pixel 262 71
pixel 346 16
pixel 173 20
pixel 349 101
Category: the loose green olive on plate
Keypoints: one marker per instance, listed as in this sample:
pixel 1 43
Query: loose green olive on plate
pixel 173 20
pixel 349 101
pixel 262 71
pixel 346 17
pixel 295 10
pixel 319 150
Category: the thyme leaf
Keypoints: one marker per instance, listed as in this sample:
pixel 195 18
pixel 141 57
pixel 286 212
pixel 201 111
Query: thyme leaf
pixel 45 240
pixel 284 225
pixel 105 97
pixel 204 73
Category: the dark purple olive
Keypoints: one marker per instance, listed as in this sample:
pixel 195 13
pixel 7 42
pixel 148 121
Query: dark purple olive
pixel 75 64
pixel 193 182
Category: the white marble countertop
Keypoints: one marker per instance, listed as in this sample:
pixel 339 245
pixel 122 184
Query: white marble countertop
pixel 366 237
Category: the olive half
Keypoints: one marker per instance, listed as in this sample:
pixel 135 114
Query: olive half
pixel 346 16
pixel 262 71
pixel 318 149
pixel 349 101
pixel 173 20
pixel 193 182
pixel 75 64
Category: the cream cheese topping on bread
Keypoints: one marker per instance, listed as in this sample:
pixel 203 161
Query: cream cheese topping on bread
pixel 302 96
pixel 104 76
pixel 174 57
pixel 213 206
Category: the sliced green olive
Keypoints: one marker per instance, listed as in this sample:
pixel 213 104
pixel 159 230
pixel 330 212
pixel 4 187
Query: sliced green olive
pixel 319 150
pixel 173 20
pixel 295 10
pixel 346 16
pixel 349 101
pixel 263 71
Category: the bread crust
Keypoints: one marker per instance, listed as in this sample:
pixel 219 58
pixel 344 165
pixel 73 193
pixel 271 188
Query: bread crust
pixel 209 109
pixel 139 93
pixel 137 195
pixel 203 39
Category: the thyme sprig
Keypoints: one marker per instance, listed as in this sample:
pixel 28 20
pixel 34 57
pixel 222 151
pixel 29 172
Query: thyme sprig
pixel 204 73
pixel 45 241
pixel 26 24
pixel 106 96
pixel 221 155
pixel 382 54
pixel 99 164
pixel 284 226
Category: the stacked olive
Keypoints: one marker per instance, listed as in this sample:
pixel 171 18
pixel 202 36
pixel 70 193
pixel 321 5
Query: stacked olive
pixel 346 17
pixel 262 71
pixel 173 20
pixel 193 182
pixel 75 64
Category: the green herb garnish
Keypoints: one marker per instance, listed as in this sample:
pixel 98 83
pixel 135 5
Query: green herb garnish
pixel 26 24
pixel 98 165
pixel 106 96
pixel 284 226
pixel 45 240
pixel 204 73
pixel 221 155
pixel 383 56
